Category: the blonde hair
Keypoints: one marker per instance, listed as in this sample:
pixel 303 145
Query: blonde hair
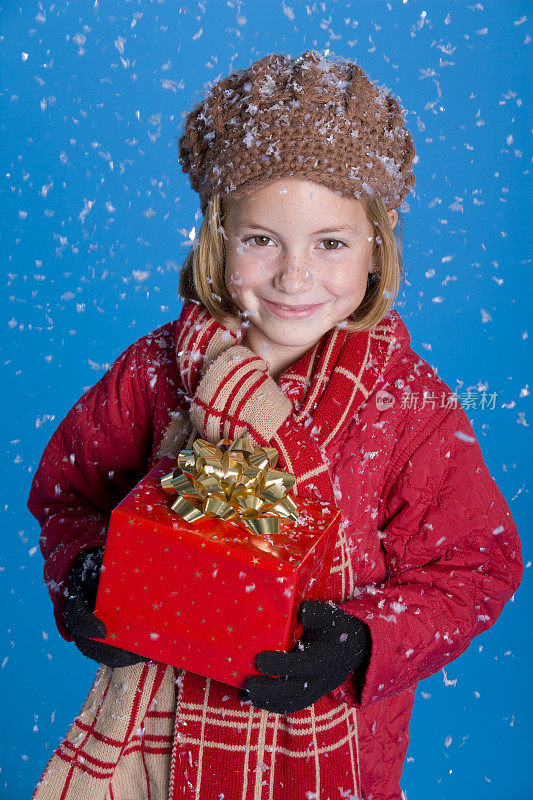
pixel 202 274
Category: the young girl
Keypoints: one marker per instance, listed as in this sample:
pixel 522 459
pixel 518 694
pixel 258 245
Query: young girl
pixel 287 336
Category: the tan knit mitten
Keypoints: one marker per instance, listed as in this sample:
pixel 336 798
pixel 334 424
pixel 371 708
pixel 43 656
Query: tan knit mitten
pixel 237 397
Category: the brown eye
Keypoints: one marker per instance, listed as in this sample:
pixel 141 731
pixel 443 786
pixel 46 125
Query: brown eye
pixel 259 237
pixel 332 240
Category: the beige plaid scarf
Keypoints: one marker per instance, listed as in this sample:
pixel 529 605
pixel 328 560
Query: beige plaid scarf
pixel 155 731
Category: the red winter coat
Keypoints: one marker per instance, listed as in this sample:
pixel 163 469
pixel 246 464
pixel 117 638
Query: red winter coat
pixel 428 556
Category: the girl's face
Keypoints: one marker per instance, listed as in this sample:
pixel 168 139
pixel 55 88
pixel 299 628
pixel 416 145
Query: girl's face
pixel 297 262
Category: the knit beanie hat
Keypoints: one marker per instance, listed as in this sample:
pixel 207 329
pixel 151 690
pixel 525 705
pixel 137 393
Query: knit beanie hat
pixel 320 119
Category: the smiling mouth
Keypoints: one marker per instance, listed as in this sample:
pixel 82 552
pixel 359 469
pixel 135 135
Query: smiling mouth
pixel 292 312
pixel 292 308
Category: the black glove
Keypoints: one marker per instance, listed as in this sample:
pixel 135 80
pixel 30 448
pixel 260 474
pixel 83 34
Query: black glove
pixel 334 643
pixel 81 623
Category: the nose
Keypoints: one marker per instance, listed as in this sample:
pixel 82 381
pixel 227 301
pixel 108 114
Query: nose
pixel 293 276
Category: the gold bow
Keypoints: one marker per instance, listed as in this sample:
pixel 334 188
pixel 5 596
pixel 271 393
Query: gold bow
pixel 232 480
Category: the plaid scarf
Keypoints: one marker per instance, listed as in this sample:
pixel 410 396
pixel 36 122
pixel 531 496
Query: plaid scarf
pixel 155 731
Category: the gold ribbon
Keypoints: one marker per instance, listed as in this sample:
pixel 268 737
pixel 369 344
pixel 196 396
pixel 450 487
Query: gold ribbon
pixel 232 481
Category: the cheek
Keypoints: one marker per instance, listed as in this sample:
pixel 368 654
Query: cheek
pixel 348 288
pixel 244 272
pixel 347 283
pixel 240 282
pixel 233 278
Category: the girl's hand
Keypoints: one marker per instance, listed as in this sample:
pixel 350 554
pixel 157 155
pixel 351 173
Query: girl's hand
pixel 81 623
pixel 334 644
pixel 237 397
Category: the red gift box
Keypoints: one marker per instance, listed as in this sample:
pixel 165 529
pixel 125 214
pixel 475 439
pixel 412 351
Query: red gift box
pixel 208 596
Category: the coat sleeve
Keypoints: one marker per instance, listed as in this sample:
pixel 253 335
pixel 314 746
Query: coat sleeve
pixel 96 455
pixel 453 559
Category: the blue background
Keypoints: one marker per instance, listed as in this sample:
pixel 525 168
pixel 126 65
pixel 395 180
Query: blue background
pixel 96 221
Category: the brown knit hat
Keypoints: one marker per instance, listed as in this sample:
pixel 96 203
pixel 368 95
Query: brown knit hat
pixel 312 117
